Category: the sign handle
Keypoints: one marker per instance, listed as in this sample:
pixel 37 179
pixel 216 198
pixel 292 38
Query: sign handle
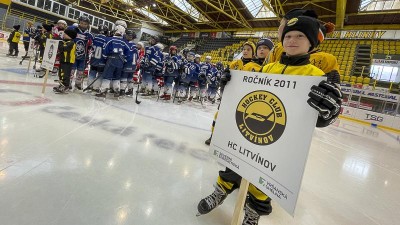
pixel 45 81
pixel 241 199
pixel 29 65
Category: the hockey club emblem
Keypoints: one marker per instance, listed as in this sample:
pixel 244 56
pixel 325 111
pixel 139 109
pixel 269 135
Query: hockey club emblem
pixel 261 117
pixel 50 54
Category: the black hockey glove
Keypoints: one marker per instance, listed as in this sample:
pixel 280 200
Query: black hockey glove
pixel 326 98
pixel 333 77
pixel 225 77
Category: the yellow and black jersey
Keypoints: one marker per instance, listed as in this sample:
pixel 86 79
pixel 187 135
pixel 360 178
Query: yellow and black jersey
pixel 44 37
pixel 67 50
pixel 299 65
pixel 236 65
pixel 324 61
pixel 254 66
pixel 14 37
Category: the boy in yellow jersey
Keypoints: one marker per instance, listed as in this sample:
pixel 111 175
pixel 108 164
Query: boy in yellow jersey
pixel 301 35
pixel 324 61
pixel 248 53
pixel 13 40
pixel 66 49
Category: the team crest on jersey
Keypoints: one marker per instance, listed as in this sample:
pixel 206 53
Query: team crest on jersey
pixel 292 22
pixel 261 117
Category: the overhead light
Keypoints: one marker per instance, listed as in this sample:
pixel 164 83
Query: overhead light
pixel 154 4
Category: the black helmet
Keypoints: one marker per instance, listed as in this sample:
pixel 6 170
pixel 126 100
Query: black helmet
pixel 103 30
pixel 84 19
pixel 130 33
pixel 155 38
pixel 219 65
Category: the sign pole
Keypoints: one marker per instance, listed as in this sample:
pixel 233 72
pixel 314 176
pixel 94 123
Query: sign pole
pixel 241 199
pixel 29 66
pixel 45 81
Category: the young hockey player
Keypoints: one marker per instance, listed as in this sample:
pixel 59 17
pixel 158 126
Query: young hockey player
pixel 249 50
pixel 158 75
pixel 194 82
pixel 130 65
pixel 42 39
pixel 189 75
pixel 153 56
pixel 205 71
pixel 136 75
pixel 115 51
pixel 97 60
pixel 263 49
pixel 324 61
pixel 58 30
pixel 213 81
pixel 66 49
pixel 13 41
pixel 172 64
pixel 299 37
pixel 83 43
pixel 29 32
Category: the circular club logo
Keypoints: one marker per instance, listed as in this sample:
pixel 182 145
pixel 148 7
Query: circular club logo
pixel 261 117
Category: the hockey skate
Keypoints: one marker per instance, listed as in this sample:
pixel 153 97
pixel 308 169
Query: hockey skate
pixel 167 97
pixel 40 73
pixel 101 95
pixel 78 86
pixel 129 93
pixel 61 90
pixel 251 217
pixel 211 202
pixel 122 94
pixel 117 95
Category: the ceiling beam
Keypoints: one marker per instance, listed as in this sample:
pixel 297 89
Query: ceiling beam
pixel 222 5
pixel 213 22
pixel 340 13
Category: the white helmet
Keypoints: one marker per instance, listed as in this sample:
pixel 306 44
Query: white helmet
pixel 119 30
pixel 62 22
pixel 197 56
pixel 160 46
pixel 141 44
pixel 208 57
pixel 75 24
pixel 121 23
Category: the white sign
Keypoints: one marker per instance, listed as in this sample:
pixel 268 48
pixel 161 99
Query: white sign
pixel 386 61
pixel 370 94
pixel 50 53
pixel 31 48
pixel 264 131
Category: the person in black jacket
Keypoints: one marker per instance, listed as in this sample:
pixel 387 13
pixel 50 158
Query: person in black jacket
pixel 13 40
pixel 66 51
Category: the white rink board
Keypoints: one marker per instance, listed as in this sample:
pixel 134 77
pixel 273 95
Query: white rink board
pixel 274 105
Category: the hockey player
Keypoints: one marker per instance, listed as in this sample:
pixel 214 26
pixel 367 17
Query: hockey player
pixel 188 77
pixel 158 75
pixel 299 36
pixel 263 48
pixel 66 50
pixel 205 71
pixel 83 43
pixel 172 64
pixel 29 32
pixel 194 82
pixel 58 30
pixel 97 61
pixel 324 61
pixel 130 64
pixel 13 40
pixel 213 81
pixel 153 56
pixel 46 34
pixel 115 52
pixel 136 75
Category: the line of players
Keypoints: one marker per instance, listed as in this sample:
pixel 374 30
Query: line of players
pixel 117 63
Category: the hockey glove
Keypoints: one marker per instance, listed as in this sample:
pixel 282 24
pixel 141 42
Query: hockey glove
pixel 333 77
pixel 326 98
pixel 226 76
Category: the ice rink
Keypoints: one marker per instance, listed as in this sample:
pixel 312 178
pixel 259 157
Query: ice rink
pixel 71 159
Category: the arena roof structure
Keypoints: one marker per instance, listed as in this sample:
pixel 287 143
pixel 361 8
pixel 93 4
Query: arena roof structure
pixel 238 15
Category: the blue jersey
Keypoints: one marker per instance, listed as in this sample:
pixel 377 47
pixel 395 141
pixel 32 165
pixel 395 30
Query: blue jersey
pixel 97 54
pixel 206 68
pixel 83 42
pixel 173 64
pixel 153 56
pixel 191 71
pixel 213 77
pixel 132 55
pixel 28 33
pixel 117 50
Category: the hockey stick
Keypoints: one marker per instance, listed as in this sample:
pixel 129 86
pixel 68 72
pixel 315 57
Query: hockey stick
pixel 23 58
pixel 91 84
pixel 137 93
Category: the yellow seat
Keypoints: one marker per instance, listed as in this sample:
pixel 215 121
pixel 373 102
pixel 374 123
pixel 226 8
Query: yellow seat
pixel 359 80
pixel 353 79
pixel 346 78
pixel 366 80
